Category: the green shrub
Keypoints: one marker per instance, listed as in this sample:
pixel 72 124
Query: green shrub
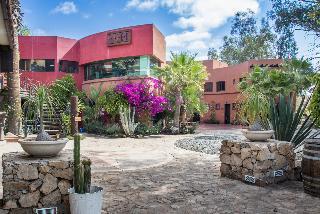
pixel 97 127
pixel 212 119
pixel 142 129
pixel 113 130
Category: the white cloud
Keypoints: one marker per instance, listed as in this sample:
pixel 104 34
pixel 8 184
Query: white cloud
pixel 196 19
pixel 66 7
pixel 86 15
pixel 39 32
pixel 143 5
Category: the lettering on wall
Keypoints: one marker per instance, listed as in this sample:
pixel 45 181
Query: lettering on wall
pixel 120 37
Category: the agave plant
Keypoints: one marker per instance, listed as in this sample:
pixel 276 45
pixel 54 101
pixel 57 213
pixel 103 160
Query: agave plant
pixel 285 120
pixel 39 100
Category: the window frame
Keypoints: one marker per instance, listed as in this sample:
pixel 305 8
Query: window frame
pixel 210 86
pixel 221 86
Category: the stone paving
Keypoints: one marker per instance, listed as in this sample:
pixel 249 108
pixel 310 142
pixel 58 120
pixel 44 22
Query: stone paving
pixel 151 175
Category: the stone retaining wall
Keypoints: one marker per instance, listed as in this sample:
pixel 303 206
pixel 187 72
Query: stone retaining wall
pixel 35 183
pixel 257 159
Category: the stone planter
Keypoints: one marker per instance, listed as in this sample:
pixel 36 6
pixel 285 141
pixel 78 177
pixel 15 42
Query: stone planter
pixel 43 148
pixel 257 135
pixel 86 203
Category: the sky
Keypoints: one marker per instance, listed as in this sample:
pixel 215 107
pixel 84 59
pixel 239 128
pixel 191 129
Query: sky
pixel 188 25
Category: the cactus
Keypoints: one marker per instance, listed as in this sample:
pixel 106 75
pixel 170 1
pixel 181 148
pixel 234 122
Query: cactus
pixel 127 121
pixel 82 169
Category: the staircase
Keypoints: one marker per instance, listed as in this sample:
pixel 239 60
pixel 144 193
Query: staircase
pixel 52 123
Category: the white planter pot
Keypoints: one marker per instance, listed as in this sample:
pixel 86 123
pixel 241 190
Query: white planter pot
pixel 257 135
pixel 88 203
pixel 43 148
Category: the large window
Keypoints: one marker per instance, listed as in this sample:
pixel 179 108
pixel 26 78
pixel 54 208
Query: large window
pixel 68 66
pixel 221 86
pixel 130 66
pixel 208 87
pixel 39 65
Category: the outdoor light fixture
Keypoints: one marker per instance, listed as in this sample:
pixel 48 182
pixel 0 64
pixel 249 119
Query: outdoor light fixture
pixel 51 210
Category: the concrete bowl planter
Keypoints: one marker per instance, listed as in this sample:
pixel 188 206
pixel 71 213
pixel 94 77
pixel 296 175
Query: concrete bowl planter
pixel 258 135
pixel 87 202
pixel 43 148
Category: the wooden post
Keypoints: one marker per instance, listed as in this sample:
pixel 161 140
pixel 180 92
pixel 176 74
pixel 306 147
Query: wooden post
pixel 74 115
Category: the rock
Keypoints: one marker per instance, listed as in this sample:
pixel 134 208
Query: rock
pixel 44 169
pixel 15 186
pixel 4 211
pixel 272 147
pixel 236 149
pixel 29 199
pixel 225 150
pixel 255 147
pixel 59 164
pixel 235 160
pixel 284 148
pixel 8 170
pixel 262 165
pixel 11 204
pixel 27 172
pixel 49 184
pixel 245 153
pixel 224 158
pixel 264 154
pixel 35 185
pixel 225 169
pixel 64 186
pixel 63 173
pixel 52 199
pixel 280 161
pixel 247 163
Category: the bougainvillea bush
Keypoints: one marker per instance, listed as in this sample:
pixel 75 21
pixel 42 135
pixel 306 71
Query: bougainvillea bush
pixel 144 96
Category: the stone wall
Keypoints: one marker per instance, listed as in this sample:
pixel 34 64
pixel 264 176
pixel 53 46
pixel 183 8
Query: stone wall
pixel 35 183
pixel 257 159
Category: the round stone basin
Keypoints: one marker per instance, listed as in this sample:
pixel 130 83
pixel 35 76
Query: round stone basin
pixel 43 148
pixel 257 135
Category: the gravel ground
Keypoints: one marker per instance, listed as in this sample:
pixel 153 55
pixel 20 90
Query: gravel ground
pixel 209 144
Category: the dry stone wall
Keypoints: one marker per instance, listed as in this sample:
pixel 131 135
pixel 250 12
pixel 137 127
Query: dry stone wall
pixel 258 160
pixel 36 183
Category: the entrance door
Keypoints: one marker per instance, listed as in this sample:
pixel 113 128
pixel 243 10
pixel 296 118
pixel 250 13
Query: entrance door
pixel 227 113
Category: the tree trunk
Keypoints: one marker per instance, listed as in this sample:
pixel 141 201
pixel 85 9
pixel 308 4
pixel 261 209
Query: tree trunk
pixel 178 108
pixel 14 113
pixel 183 114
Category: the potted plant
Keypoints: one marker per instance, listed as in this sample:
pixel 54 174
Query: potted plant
pixel 254 111
pixel 83 197
pixel 39 101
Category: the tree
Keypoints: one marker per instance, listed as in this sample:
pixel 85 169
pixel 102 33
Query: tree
pixel 291 15
pixel 247 41
pixel 182 75
pixel 12 11
pixel 213 54
pixel 24 30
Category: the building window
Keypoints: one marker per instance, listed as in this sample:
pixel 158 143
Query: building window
pixel 218 106
pixel 234 81
pixel 221 86
pixel 68 66
pixel 208 87
pixel 38 65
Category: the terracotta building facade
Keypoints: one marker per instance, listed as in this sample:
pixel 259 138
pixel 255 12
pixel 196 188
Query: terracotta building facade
pixel 221 92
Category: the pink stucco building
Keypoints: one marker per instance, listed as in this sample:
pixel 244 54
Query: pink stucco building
pixel 220 90
pixel 105 58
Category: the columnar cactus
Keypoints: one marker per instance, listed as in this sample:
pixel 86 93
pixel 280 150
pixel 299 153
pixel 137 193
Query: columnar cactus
pixel 127 121
pixel 82 169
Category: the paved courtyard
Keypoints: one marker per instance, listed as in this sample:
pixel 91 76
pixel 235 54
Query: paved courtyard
pixel 151 175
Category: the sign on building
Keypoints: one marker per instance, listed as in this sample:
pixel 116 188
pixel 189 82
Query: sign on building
pixel 120 37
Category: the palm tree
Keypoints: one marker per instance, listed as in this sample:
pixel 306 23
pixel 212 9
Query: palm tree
pixel 181 74
pixel 12 17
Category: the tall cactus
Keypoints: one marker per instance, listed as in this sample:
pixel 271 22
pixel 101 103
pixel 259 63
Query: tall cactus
pixel 82 169
pixel 127 121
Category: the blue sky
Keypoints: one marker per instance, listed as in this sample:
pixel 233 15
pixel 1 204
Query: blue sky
pixel 192 25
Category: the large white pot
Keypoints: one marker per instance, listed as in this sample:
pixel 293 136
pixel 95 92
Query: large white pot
pixel 257 135
pixel 88 203
pixel 43 148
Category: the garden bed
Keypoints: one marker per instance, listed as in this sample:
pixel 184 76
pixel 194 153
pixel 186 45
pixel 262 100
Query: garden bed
pixel 209 144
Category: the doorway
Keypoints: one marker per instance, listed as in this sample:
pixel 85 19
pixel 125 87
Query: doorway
pixel 227 112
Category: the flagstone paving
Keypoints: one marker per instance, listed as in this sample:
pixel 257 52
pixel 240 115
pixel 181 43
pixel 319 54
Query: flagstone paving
pixel 151 175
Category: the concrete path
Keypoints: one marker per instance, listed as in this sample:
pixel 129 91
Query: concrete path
pixel 151 175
